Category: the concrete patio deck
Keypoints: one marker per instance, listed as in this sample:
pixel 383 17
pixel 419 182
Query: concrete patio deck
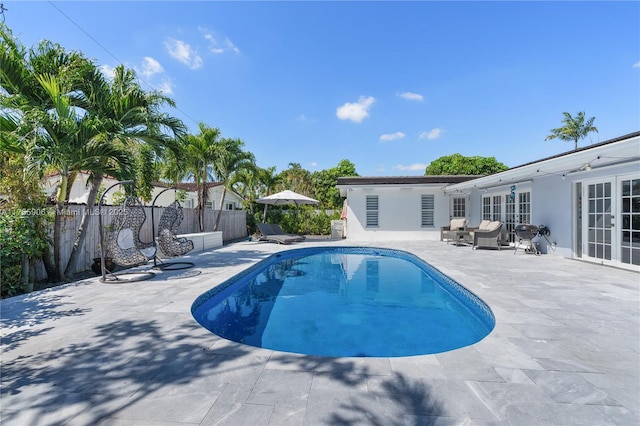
pixel 565 351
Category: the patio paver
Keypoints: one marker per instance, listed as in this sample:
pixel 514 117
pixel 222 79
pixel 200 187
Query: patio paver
pixel 565 350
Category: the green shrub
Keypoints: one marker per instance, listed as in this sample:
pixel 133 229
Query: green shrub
pixel 296 220
pixel 22 232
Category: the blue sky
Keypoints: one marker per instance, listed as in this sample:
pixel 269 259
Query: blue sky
pixel 390 86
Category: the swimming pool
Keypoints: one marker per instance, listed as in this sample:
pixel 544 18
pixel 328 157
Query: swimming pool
pixel 345 301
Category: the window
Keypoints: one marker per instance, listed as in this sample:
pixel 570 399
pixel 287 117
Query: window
pixel 230 206
pixel 428 204
pixel 459 207
pixel 486 208
pixel 372 210
pixel 492 207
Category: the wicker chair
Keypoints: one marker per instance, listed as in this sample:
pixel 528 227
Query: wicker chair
pixel 489 237
pixel 448 233
pixel 170 245
pixel 123 240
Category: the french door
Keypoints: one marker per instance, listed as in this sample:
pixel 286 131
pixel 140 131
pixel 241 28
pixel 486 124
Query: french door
pixel 630 221
pixel 512 209
pixel 610 228
pixel 517 211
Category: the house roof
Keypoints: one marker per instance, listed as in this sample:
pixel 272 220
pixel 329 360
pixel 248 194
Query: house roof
pixel 623 149
pixel 404 180
pixel 584 148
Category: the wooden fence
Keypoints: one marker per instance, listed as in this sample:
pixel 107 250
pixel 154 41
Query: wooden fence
pixel 233 225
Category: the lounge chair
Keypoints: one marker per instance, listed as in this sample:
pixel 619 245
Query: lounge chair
pixel 277 230
pixel 267 234
pixel 489 236
pixel 449 232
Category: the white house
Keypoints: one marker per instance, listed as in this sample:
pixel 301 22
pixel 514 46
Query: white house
pixel 232 201
pixel 80 192
pixel 588 198
pixel 399 207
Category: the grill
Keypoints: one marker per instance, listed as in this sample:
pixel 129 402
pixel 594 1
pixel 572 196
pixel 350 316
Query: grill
pixel 526 234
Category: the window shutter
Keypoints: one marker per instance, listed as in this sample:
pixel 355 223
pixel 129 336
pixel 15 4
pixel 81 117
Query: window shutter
pixel 372 210
pixel 428 207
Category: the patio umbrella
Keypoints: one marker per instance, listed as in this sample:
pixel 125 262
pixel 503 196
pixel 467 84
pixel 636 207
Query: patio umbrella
pixel 285 197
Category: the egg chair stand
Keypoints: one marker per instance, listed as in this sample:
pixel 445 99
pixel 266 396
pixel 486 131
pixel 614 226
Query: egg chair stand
pixel 167 239
pixel 122 242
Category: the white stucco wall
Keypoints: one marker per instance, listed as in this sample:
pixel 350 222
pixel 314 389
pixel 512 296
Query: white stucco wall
pixel 191 198
pixel 399 215
pixel 80 189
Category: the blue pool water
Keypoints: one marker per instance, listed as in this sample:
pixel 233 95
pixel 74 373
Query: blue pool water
pixel 345 301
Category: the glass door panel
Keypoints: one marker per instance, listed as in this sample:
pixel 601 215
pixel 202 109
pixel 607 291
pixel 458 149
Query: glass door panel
pixel 599 221
pixel 630 221
pixel 510 217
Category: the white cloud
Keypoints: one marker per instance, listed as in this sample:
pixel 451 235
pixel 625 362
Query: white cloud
pixel 432 134
pixel 391 136
pixel 313 164
pixel 636 65
pixel 183 52
pixel 411 96
pixel 410 167
pixel 356 111
pixel 228 44
pixel 107 70
pixel 166 87
pixel 150 66
pixel 219 47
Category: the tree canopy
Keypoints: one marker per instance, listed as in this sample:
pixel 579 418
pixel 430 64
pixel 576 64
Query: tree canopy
pixel 325 181
pixel 458 164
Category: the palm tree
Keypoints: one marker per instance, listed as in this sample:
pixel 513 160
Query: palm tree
pixel 229 159
pixel 574 129
pixel 297 179
pixel 268 180
pixel 199 156
pixel 130 119
pixel 41 87
pixel 70 117
pixel 252 183
pixel 67 142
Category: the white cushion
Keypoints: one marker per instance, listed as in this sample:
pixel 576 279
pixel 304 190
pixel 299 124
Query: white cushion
pixel 484 225
pixel 125 238
pixel 148 252
pixel 494 225
pixel 457 223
